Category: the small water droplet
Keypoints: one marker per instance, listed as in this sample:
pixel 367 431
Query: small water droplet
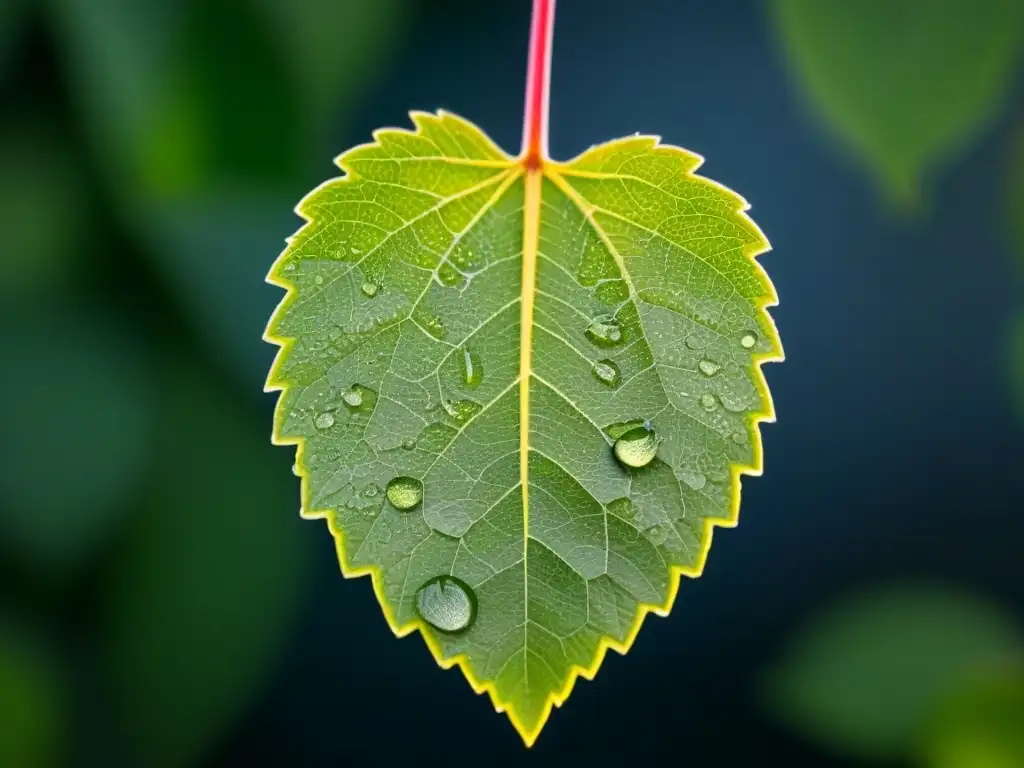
pixel 607 372
pixel 319 279
pixel 289 267
pixel 748 340
pixel 324 420
pixel 708 401
pixel 604 331
pixel 409 443
pixel 446 603
pixel 404 493
pixel 637 448
pixel 709 368
pixel 739 437
pixel 384 533
pixel 472 369
pixel 461 410
pixel 693 478
pixel 693 342
pixel 369 290
pixel 623 508
pixel 371 491
pixel 353 398
pixel 657 534
pixel 355 250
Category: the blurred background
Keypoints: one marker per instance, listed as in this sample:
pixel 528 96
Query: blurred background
pixel 162 603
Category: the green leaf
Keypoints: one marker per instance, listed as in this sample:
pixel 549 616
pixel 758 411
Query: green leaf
pixel 32 703
pixel 78 431
pixel 863 677
pixel 1015 196
pixel 1015 363
pixel 464 340
pixel 904 83
pixel 12 22
pixel 204 593
pixel 981 723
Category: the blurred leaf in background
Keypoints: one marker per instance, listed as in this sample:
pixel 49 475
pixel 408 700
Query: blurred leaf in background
pixel 905 83
pixel 862 677
pixel 203 107
pixel 43 212
pixel 78 417
pixel 203 593
pixel 33 715
pixel 12 18
pixel 980 724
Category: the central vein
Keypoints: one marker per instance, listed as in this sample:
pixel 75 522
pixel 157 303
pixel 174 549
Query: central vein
pixel 531 239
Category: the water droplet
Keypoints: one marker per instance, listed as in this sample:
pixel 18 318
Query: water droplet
pixel 708 401
pixel 472 369
pixel 371 491
pixel 355 250
pixel 461 410
pixel 404 493
pixel 369 290
pixel 623 508
pixel 657 534
pixel 748 340
pixel 607 372
pixel 637 448
pixel 324 420
pixel 409 443
pixel 693 342
pixel 289 267
pixel 319 279
pixel 446 603
pixel 353 398
pixel 384 533
pixel 604 331
pixel 740 437
pixel 708 368
pixel 359 399
pixel 693 478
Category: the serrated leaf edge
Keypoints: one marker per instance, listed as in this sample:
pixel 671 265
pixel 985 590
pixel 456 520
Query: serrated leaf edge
pixel 273 384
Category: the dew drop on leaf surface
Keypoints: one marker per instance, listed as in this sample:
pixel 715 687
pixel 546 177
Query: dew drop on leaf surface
pixel 353 398
pixel 748 340
pixel 369 290
pixel 604 331
pixel 472 369
pixel 607 372
pixel 324 420
pixel 637 448
pixel 708 368
pixel 447 604
pixel 404 493
pixel 708 402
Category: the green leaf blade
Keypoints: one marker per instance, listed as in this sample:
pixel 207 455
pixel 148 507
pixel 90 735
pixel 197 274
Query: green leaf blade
pixel 402 356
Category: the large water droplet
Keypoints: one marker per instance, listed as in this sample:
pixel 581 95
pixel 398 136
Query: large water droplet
pixel 359 398
pixel 708 401
pixel 446 603
pixel 708 368
pixel 472 369
pixel 369 290
pixel 637 448
pixel 409 443
pixel 604 331
pixel 748 340
pixel 623 508
pixel 353 398
pixel 694 342
pixel 404 493
pixel 324 420
pixel 607 372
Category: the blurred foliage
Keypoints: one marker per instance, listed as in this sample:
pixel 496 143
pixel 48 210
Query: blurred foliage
pixel 205 587
pixel 905 83
pixel 77 414
pixel 43 211
pixel 209 106
pixel 862 676
pixel 980 724
pixel 33 718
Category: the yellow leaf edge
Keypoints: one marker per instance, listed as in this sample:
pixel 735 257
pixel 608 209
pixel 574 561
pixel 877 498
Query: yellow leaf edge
pixel 274 384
